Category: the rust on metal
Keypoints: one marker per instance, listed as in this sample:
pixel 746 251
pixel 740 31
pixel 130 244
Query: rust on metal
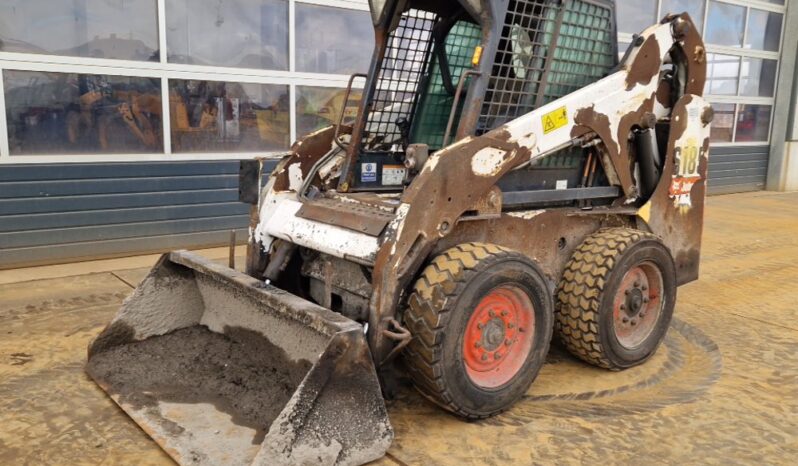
pixel 352 215
pixel 305 153
pixel 646 65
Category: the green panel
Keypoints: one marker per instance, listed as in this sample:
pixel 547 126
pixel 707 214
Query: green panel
pixel 564 159
pixel 436 103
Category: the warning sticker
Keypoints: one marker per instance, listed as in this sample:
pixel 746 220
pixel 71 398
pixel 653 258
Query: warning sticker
pixel 393 175
pixel 555 120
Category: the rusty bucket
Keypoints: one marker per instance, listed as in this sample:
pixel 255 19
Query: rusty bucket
pixel 219 368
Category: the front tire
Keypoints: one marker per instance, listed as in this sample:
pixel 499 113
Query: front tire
pixel 616 298
pixel 482 318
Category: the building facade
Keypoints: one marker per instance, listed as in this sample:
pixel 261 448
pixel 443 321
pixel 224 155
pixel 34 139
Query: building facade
pixel 122 121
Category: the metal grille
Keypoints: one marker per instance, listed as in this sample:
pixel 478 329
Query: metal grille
pixel 397 87
pixel 548 49
pixel 585 49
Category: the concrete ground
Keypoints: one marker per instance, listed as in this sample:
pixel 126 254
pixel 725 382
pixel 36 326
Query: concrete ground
pixel 723 388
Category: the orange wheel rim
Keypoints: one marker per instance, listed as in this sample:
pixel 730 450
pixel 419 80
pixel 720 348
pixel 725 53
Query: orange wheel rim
pixel 637 305
pixel 499 337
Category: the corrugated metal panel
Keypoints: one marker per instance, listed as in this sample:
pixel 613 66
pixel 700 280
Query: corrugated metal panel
pixel 60 212
pixel 738 169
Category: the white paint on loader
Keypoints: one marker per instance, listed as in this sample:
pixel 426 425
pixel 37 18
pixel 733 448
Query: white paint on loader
pixel 339 242
pixel 488 161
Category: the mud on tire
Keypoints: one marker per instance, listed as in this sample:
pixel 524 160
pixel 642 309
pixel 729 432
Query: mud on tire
pixel 458 321
pixel 616 298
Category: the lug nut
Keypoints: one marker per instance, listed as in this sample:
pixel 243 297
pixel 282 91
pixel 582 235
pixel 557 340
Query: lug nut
pixel 625 320
pixel 521 329
pixel 623 307
pixel 627 292
pixel 634 322
pixel 491 314
pixel 643 314
pixel 645 300
pixel 505 313
pixel 497 356
pixel 478 345
pixel 485 357
pixel 511 325
pixel 637 284
pixel 645 288
pixel 480 326
pixel 508 342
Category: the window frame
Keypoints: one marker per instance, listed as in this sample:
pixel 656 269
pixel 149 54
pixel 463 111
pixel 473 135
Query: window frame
pixel 166 71
pixel 740 53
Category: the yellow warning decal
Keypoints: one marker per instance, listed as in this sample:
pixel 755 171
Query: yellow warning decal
pixel 555 120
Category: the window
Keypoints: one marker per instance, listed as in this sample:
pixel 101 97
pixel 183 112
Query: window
pixel 115 29
pixel 695 8
pixel 213 116
pixel 753 123
pixel 723 124
pixel 764 30
pixel 742 71
pixel 235 33
pixel 723 74
pixel 319 107
pixel 220 86
pixel 333 40
pixel 725 25
pixel 69 113
pixel 636 15
pixel 758 77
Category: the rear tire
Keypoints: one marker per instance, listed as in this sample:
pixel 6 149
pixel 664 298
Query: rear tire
pixel 481 318
pixel 616 298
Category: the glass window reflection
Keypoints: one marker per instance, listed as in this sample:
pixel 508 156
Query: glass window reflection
pixel 764 30
pixel 695 8
pixel 69 113
pixel 319 107
pixel 333 40
pixel 753 123
pixel 723 124
pixel 234 33
pixel 758 77
pixel 214 116
pixel 636 15
pixel 725 24
pixel 723 74
pixel 125 30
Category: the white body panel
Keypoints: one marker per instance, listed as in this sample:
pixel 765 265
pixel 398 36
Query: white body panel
pixel 282 222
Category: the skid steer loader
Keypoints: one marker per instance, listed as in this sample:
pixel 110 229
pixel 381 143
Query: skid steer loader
pixel 506 178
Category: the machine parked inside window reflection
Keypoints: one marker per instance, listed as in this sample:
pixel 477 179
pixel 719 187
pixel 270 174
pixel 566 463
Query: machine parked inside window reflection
pixel 58 113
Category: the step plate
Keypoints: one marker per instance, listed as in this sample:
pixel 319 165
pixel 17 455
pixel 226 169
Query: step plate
pixel 351 215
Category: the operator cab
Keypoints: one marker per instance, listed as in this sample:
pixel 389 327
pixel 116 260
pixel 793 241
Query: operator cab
pixel 442 71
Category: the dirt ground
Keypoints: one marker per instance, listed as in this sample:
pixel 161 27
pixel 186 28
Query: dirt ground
pixel 723 388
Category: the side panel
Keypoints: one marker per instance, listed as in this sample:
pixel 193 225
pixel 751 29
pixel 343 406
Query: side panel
pixel 549 237
pixel 676 210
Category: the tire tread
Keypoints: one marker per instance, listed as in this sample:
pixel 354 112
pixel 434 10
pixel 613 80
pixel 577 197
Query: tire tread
pixel 427 314
pixel 577 308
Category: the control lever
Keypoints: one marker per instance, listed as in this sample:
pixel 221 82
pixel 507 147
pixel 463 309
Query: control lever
pixel 404 130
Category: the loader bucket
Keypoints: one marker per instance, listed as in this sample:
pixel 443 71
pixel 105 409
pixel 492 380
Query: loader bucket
pixel 220 368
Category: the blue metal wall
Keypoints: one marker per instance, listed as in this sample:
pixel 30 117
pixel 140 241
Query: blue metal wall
pixel 738 169
pixel 54 213
pixel 58 213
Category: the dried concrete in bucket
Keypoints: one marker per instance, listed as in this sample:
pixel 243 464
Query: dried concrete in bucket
pixel 240 373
